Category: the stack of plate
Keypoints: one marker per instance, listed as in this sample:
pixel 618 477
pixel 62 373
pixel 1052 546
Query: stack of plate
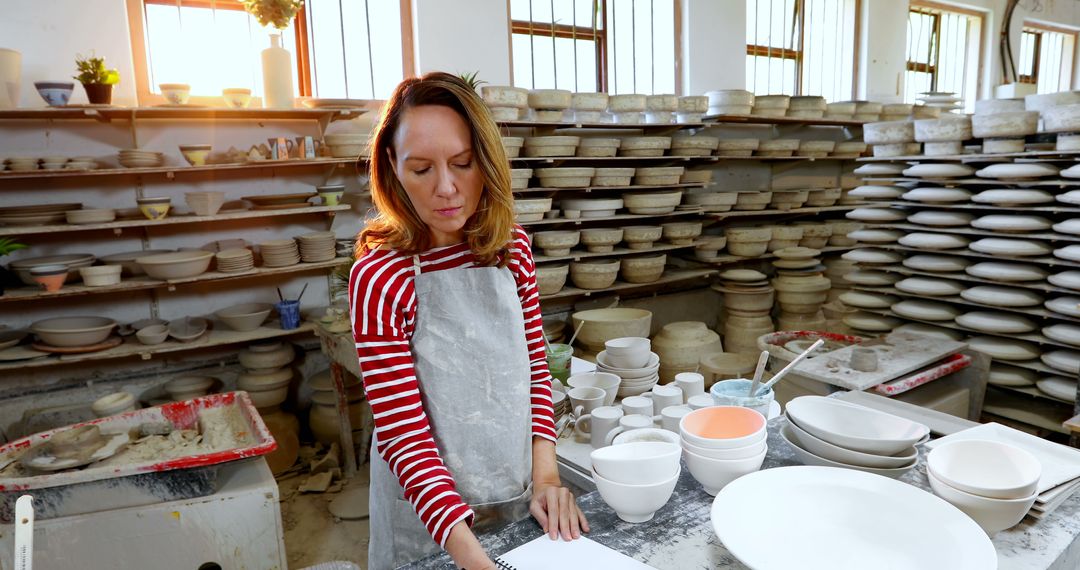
pixel 133 158
pixel 635 381
pixel 317 246
pixel 560 402
pixel 35 215
pixel 947 102
pixel 73 261
pixel 235 260
pixel 280 201
pixel 279 253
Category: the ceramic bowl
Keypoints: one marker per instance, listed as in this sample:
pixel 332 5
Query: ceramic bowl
pixel 600 325
pixel 90 216
pixel 73 331
pixel 154 208
pixel 992 515
pixel 55 93
pixel 246 316
pixel 642 269
pixel 550 279
pixel 723 427
pixel 640 463
pixel 715 474
pixel 188 387
pixel 986 468
pixel 635 503
pixel 607 382
pixel 100 275
pixel 176 265
pixel 195 154
pixel 628 352
pixel 205 203
pixel 175 93
pixel 647 434
pixel 733 453
pixel 236 97
pixel 809 458
pixel 824 449
pixel 153 334
pixel 855 427
pixel 636 373
pixel 187 330
pixel 593 274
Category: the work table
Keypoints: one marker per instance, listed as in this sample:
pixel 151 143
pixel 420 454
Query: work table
pixel 680 535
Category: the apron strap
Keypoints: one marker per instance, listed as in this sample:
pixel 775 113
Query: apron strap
pixel 416 265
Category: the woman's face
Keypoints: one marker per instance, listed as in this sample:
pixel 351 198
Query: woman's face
pixel 435 164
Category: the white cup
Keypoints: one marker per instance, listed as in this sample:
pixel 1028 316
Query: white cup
pixel 691 384
pixel 671 415
pixel 598 424
pixel 585 399
pixel 664 395
pixel 628 423
pixel 700 401
pixel 639 405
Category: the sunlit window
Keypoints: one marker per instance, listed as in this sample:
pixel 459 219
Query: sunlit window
pixel 943 52
pixel 1046 58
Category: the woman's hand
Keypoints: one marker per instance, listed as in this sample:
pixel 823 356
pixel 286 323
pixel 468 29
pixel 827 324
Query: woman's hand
pixel 555 509
pixel 466 550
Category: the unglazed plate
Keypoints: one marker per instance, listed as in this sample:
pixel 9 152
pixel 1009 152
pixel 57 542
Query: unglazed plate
pixel 939 170
pixel 1057 387
pixel 877 214
pixel 1003 375
pixel 879 169
pixel 1012 197
pixel 937 195
pixel 1063 332
pixel 996 322
pixel 1002 296
pixel 877 192
pixel 924 240
pixel 871 255
pixel 1018 171
pixel 931 330
pixel 1004 348
pixel 1011 247
pixel 937 263
pixel 1067 361
pixel 941 219
pixel 925 310
pixel 1066 279
pixel 1064 305
pixel 864 300
pixel 929 286
pixel 1008 272
pixel 1069 252
pixel 1011 223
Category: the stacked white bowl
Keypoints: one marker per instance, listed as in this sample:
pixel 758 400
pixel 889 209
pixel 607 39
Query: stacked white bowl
pixel 993 483
pixel 832 433
pixel 636 479
pixel 631 359
pixel 722 443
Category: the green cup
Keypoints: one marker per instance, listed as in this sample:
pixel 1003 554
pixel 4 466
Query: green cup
pixel 558 360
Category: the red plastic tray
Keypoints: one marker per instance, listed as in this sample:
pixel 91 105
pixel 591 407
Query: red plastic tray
pixel 182 415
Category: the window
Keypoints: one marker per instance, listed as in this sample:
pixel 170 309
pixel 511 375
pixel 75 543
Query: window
pixel 1046 57
pixel 617 46
pixel 801 47
pixel 943 53
pixel 214 44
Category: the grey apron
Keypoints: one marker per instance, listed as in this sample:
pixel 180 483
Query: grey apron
pixel 472 364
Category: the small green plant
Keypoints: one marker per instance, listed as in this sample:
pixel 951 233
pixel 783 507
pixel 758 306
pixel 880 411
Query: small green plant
pixel 277 13
pixel 471 80
pixel 8 245
pixel 92 71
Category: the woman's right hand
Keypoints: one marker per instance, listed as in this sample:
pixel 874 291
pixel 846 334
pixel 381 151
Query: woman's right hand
pixel 466 550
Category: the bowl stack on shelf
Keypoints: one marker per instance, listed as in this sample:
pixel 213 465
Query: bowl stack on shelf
pixel 748 300
pixel 801 289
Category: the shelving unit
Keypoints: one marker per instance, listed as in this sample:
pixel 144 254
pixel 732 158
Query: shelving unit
pixel 669 277
pixel 615 218
pixel 1036 311
pixel 1042 236
pixel 730 259
pixel 576 255
pixel 1048 261
pixel 587 189
pixel 1055 209
pixel 1040 286
pixel 790 212
pixel 172 171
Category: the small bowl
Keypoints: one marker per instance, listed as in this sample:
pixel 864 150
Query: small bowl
pixel 331 195
pixel 188 387
pixel 992 515
pixel 723 427
pixel 55 93
pixel 607 382
pixel 646 435
pixel 641 463
pixel 715 474
pixel 236 97
pixel 175 93
pixel 100 275
pixel 628 352
pixel 986 468
pixel 153 334
pixel 635 503
pixel 195 154
pixel 245 317
pixel 746 452
pixel 50 277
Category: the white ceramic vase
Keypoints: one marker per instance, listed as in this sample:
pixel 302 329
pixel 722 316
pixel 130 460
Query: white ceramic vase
pixel 10 78
pixel 277 75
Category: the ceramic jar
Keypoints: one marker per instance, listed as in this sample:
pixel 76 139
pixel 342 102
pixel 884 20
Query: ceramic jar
pixel 323 417
pixel 266 355
pixel 680 346
pixel 267 387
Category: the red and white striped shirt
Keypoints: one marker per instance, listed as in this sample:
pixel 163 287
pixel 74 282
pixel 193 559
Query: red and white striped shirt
pixel 383 302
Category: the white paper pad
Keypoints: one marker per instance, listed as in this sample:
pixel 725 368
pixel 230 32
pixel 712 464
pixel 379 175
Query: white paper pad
pixel 546 554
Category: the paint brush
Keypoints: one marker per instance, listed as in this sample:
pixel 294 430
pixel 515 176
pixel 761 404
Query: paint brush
pixel 759 371
pixel 302 289
pixel 792 365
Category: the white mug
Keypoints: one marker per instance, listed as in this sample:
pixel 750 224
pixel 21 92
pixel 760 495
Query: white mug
pixel 664 395
pixel 691 384
pixel 585 399
pixel 700 401
pixel 671 415
pixel 598 424
pixel 628 423
pixel 638 405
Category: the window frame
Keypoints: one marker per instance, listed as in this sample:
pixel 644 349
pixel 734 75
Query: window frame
pixel 934 9
pixel 797 55
pixel 1038 29
pixel 145 94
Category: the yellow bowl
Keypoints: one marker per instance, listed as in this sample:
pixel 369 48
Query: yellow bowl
pixel 195 157
pixel 154 211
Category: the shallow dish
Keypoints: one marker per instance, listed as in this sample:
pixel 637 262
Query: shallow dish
pixel 245 317
pixel 986 468
pixel 177 265
pixel 855 427
pixel 808 457
pixel 824 449
pixel 73 331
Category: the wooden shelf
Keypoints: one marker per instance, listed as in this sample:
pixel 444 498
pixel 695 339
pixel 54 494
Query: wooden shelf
pixel 618 252
pixel 1039 183
pixel 176 113
pixel 969 231
pixel 616 159
pixel 721 120
pixel 616 217
pixel 118 226
pixel 580 125
pixel 728 259
pixel 757 158
pixel 27 294
pixel 791 212
pixel 964 252
pixel 987 207
pixel 976 157
pixel 669 276
pixel 1026 410
pixel 1032 391
pixel 1029 337
pixel 131 347
pixel 632 188
pixel 172 171
pixel 1040 285
pixel 1037 311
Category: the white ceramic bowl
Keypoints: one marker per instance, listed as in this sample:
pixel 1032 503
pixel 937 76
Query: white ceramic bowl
pixel 839 454
pixel 986 468
pixel 647 434
pixel 635 503
pixel 607 382
pixel 178 265
pixel 723 427
pixel 246 316
pixel 73 331
pixel 628 352
pixel 855 427
pixel 809 458
pixel 153 334
pixel 728 454
pixel 640 463
pixel 715 474
pixel 100 275
pixel 992 515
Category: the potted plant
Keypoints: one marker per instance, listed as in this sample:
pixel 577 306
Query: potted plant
pixel 7 246
pixel 96 79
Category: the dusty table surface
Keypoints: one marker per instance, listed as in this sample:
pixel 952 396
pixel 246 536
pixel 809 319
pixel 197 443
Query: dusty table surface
pixel 680 535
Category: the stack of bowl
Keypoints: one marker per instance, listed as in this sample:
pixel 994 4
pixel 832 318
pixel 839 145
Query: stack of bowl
pixel 636 479
pixel 279 253
pixel 73 261
pixel 205 203
pixel 801 288
pixel 235 260
pixel 134 158
pixel 722 443
pixel 993 483
pixel 595 327
pixel 559 402
pixel 317 246
pixel 631 360
pixel 549 105
pixel 90 216
pixel 505 102
pixel 748 300
pixel 831 433
pixel 346 145
pixel 680 346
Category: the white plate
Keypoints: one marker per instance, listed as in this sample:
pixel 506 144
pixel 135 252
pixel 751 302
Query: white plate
pixel 872 235
pixel 937 195
pixel 1069 252
pixel 1067 361
pixel 1018 171
pixel 1072 171
pixel 877 192
pixel 1061 388
pixel 863 300
pixel 946 263
pixel 870 322
pixel 930 286
pixel 939 170
pixel 1011 247
pixel 876 214
pixel 930 330
pixel 932 241
pixel 870 277
pixel 1001 375
pixel 1064 305
pixel 336 103
pixel 1002 296
pixel 855 427
pixel 1004 348
pixel 1009 223
pixel 996 322
pixel 859 516
pixel 1070 226
pixel 871 255
pixel 925 310
pixel 807 457
pixel 1070 197
pixel 879 169
pixel 1066 279
pixel 1063 332
pixel 1012 197
pixel 1008 272
pixel 942 219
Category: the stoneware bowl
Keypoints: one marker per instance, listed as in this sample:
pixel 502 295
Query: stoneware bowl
pixel 992 515
pixel 986 468
pixel 177 265
pixel 635 503
pixel 153 334
pixel 715 474
pixel 641 463
pixel 246 316
pixel 73 331
pixel 723 427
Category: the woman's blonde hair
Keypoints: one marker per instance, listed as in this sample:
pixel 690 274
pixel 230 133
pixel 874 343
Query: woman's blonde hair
pixel 396 224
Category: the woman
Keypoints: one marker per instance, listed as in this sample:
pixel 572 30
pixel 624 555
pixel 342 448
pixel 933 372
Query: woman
pixel 446 319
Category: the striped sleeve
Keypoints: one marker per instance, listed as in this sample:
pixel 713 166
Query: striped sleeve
pixel 382 304
pixel 524 269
